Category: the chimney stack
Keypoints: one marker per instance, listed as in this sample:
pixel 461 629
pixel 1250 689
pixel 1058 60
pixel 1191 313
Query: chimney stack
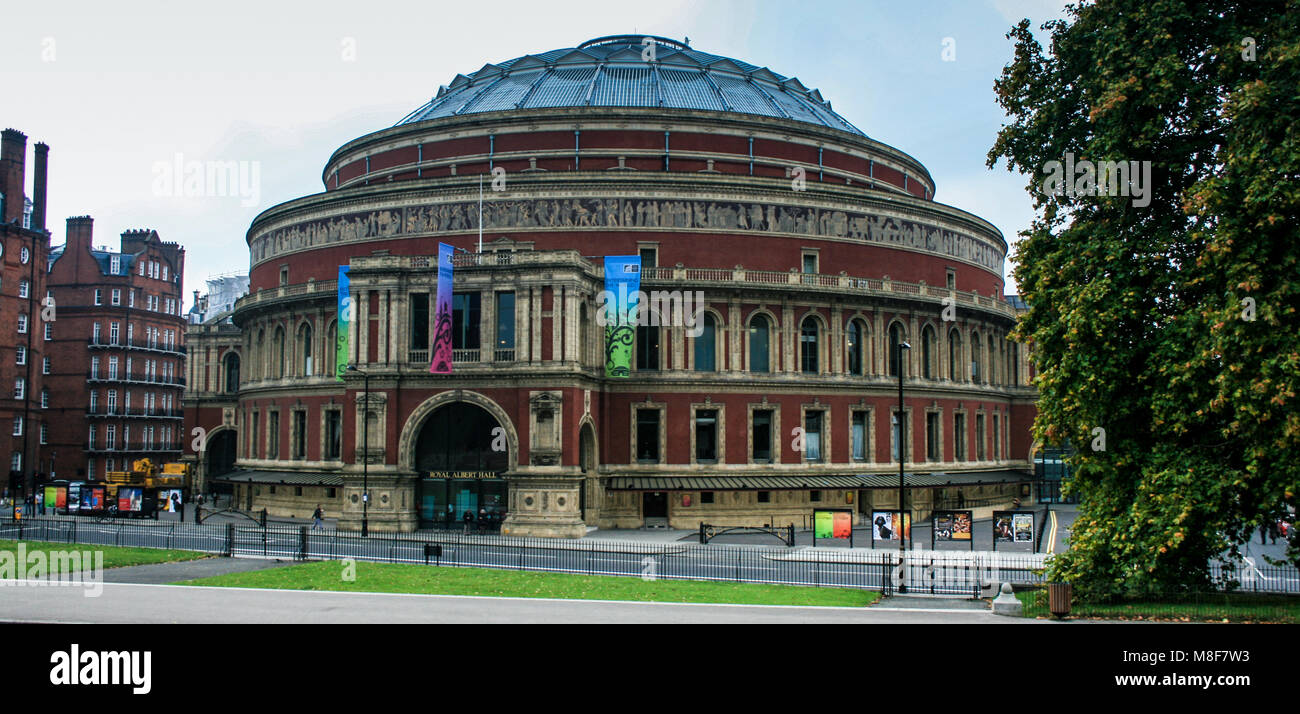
pixel 13 159
pixel 38 186
pixel 79 234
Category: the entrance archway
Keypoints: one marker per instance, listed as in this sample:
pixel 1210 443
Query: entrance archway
pixel 219 458
pixel 462 453
pixel 587 462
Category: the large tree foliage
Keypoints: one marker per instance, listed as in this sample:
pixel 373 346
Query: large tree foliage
pixel 1172 326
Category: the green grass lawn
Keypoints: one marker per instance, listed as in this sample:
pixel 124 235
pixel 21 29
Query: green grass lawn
pixel 1205 607
pixel 114 557
pixel 433 580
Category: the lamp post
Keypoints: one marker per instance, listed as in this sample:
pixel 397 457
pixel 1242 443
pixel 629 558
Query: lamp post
pixel 902 459
pixel 365 458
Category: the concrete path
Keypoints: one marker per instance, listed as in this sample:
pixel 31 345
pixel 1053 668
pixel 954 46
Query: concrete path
pixel 163 573
pixel 154 604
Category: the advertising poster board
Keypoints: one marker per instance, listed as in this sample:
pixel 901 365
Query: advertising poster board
pixel 129 499
pixel 61 496
pixel 832 524
pixel 51 496
pixel 950 526
pixel 1023 526
pixel 885 525
pixel 619 311
pixel 170 500
pixel 74 497
pixel 95 501
pixel 1003 530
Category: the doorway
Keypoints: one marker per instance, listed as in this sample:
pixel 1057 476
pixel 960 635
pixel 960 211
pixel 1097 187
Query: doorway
pixel 655 509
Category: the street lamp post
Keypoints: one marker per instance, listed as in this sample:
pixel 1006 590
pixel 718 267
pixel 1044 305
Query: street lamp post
pixel 365 458
pixel 902 459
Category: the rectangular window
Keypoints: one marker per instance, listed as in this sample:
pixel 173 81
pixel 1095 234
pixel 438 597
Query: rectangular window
pixel 762 437
pixel 979 437
pixel 333 434
pixel 90 440
pixel 815 496
pixel 812 434
pixel 706 497
pixel 706 435
pixel 465 315
pixel 141 268
pixel 112 368
pixel 130 298
pixel 115 265
pixel 99 296
pixel 764 496
pixel 419 321
pixel 858 436
pixel 164 269
pixel 299 435
pixel 114 331
pixel 933 448
pixel 255 436
pixel 647 436
pixel 110 437
pixel 22 324
pixel 505 332
pixel 959 437
pixel 21 354
pixel 809 263
pixel 997 443
pixel 647 347
pixel 49 331
pixel 95 332
pixel 117 296
pixel 24 288
pixel 20 388
pixel 112 401
pixel 18 426
pixel 649 257
pixel 45 399
pixel 952 279
pixel 894 436
pixel 273 435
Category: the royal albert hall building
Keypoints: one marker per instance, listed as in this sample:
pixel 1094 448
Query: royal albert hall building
pixel 816 250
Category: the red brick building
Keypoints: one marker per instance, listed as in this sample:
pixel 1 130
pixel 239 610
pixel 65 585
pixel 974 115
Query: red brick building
pixel 24 250
pixel 817 251
pixel 117 352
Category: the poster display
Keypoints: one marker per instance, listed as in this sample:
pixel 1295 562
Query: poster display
pixel 61 497
pixel 885 525
pixel 51 496
pixel 1012 527
pixel 832 524
pixel 619 312
pixel 170 500
pixel 129 499
pixel 1023 525
pixel 952 525
pixel 92 498
pixel 74 497
pixel 440 357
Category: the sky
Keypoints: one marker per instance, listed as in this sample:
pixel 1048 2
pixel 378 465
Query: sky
pixel 119 89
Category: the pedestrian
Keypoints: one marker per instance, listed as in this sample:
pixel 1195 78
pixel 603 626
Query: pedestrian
pixel 468 518
pixel 1263 531
pixel 1272 532
pixel 318 519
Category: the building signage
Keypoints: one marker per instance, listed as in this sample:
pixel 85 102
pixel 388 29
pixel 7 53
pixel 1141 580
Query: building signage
pixel 343 331
pixel 441 355
pixel 622 282
pixel 464 474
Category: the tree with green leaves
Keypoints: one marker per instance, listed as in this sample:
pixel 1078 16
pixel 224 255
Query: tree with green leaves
pixel 1163 317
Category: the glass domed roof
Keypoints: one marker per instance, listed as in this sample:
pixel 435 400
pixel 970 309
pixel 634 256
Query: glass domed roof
pixel 623 71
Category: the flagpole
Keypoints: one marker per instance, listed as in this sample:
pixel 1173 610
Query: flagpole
pixel 480 213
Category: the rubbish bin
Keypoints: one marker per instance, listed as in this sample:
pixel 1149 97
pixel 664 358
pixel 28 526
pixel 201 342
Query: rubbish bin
pixel 1058 598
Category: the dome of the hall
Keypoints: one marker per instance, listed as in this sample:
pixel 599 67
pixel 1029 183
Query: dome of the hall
pixel 610 72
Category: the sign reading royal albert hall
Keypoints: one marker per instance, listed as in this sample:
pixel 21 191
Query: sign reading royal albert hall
pixel 624 213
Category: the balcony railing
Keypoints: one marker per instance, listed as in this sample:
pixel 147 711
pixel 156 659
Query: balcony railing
pixel 465 355
pixel 504 355
pixel 134 447
pixel 135 378
pixel 142 345
pixel 104 411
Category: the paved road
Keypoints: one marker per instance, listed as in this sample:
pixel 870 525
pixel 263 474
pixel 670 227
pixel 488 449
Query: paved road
pixel 130 603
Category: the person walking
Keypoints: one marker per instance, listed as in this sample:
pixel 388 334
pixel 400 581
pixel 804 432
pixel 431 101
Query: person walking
pixel 318 519
pixel 469 519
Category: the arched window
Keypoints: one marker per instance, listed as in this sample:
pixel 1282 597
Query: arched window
pixel 330 358
pixel 232 373
pixel 993 361
pixel 706 345
pixel 277 354
pixel 809 336
pixel 1013 363
pixel 259 357
pixel 896 337
pixel 305 349
pixel 927 352
pixel 975 357
pixel 856 345
pixel 954 356
pixel 760 336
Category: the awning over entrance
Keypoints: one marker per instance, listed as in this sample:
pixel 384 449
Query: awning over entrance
pixel 776 483
pixel 287 478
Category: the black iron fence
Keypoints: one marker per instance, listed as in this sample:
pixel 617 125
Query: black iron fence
pixel 923 571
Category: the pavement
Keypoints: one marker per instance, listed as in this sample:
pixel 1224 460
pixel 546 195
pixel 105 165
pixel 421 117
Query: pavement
pixel 136 603
pixel 163 573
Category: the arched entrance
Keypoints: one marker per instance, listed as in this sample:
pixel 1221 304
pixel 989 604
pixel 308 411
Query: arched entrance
pixel 219 458
pixel 462 454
